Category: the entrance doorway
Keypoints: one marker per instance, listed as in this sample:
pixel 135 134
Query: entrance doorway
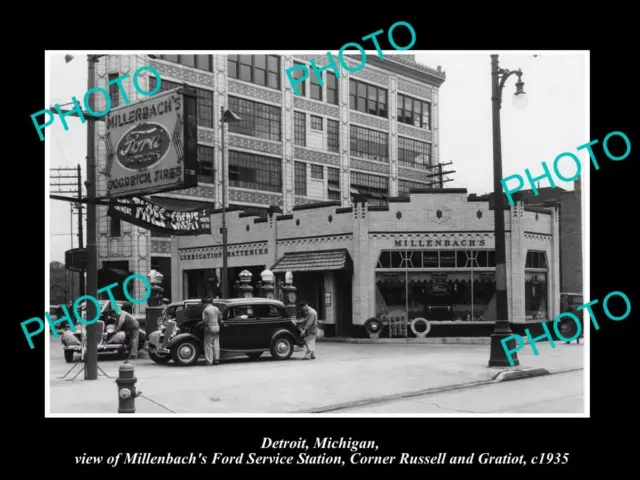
pixel 343 312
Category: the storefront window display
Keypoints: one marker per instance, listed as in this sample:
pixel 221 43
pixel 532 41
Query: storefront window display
pixel 535 286
pixel 436 285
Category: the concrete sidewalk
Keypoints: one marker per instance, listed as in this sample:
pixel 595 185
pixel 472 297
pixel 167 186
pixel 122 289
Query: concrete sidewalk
pixel 343 374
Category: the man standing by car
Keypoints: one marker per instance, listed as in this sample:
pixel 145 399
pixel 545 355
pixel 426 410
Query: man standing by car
pixel 309 330
pixel 128 323
pixel 211 320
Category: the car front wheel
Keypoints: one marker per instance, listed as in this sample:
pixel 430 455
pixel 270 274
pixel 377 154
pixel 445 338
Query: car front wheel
pixel 186 352
pixel 282 347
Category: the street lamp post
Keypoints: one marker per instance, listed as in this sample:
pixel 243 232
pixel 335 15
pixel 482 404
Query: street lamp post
pixel 502 329
pixel 226 116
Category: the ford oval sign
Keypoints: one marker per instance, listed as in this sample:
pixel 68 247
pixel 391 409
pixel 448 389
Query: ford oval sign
pixel 143 146
pixel 438 289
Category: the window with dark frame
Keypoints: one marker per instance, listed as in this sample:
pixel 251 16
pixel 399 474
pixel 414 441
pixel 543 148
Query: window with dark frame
pixel 316 89
pixel 414 153
pixel 333 135
pixel 300 129
pixel 205 164
pixel 536 259
pixel 367 98
pixel 297 74
pixel 414 112
pixel 369 144
pixel 255 172
pixel 333 183
pixel 332 88
pixel 115 230
pixel 258 119
pixel 201 62
pixel 440 259
pixel 404 187
pixel 316 123
pixel 114 91
pixel 259 69
pixel 317 172
pixel 301 178
pixel 375 188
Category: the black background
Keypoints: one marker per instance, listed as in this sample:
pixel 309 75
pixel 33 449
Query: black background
pixel 48 446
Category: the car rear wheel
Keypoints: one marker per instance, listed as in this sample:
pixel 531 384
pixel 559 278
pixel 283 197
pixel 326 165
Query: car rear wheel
pixel 254 355
pixel 282 347
pixel 160 358
pixel 186 352
pixel 68 355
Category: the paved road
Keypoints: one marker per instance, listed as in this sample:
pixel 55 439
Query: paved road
pixel 342 374
pixel 558 393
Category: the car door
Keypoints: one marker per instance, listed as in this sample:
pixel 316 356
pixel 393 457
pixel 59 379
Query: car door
pixel 269 319
pixel 238 329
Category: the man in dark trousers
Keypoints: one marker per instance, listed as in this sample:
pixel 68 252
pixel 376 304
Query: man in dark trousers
pixel 309 326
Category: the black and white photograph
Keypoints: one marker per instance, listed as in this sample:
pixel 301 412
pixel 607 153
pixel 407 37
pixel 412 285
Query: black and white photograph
pixel 292 233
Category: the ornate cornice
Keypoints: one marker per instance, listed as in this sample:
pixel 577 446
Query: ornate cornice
pixel 256 144
pixel 316 107
pixel 369 166
pixel 414 132
pixel 178 73
pixel 254 91
pixel 369 120
pixel 415 90
pixel 315 156
pixel 259 198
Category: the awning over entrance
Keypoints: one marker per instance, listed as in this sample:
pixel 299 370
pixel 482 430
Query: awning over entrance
pixel 314 261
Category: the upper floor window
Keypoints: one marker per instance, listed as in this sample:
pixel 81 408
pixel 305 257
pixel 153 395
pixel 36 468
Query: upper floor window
pixel 316 89
pixel 202 62
pixel 332 88
pixel 259 69
pixel 368 98
pixel 370 144
pixel 258 119
pixel 333 183
pixel 376 188
pixel 255 172
pixel 114 91
pixel 414 112
pixel 297 73
pixel 404 187
pixel 536 259
pixel 317 172
pixel 300 128
pixel 413 153
pixel 316 123
pixel 333 135
pixel 300 177
pixel 205 164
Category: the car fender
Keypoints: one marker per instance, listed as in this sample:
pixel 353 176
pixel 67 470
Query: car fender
pixel 154 338
pixel 284 331
pixel 181 336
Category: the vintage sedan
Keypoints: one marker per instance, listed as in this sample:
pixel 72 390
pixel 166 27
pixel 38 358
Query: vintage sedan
pixel 249 325
pixel 75 342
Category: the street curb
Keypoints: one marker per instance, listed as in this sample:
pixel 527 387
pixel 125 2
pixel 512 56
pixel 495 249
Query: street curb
pixel 400 341
pixel 499 377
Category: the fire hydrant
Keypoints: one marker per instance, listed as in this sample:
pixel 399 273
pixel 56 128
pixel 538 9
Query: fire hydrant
pixel 127 389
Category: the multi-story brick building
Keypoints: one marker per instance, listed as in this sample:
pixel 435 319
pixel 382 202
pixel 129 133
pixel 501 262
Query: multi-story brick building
pixel 373 132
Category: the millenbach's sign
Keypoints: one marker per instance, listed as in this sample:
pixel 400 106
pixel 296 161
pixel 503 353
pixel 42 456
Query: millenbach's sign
pixel 154 217
pixel 152 145
pixel 426 241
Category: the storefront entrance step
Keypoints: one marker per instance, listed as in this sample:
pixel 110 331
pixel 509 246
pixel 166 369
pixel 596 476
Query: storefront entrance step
pixel 436 340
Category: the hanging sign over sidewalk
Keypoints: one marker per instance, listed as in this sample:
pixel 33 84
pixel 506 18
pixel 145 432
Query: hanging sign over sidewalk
pixel 160 219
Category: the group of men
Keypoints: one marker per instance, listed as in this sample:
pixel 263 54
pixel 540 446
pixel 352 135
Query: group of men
pixel 212 319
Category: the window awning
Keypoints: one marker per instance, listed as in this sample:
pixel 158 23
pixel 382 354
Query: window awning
pixel 313 261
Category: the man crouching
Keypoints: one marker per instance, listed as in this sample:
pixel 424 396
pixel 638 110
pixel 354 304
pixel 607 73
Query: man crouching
pixel 309 326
